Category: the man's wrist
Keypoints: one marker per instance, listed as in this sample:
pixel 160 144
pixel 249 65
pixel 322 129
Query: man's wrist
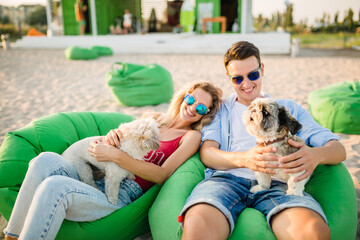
pixel 237 160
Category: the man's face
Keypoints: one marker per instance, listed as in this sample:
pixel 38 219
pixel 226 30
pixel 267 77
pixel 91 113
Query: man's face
pixel 247 90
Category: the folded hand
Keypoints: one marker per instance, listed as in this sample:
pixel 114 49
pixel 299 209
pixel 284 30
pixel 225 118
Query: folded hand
pixel 259 159
pixel 102 152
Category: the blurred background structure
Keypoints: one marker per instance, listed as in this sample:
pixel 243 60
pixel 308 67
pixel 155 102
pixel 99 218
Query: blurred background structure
pixel 166 26
pixel 56 18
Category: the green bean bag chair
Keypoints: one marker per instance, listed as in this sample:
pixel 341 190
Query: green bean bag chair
pixel 337 107
pixel 78 53
pixel 55 133
pixel 102 51
pixel 331 186
pixel 140 85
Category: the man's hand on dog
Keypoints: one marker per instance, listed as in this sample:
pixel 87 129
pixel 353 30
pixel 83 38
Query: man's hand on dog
pixel 306 158
pixel 258 159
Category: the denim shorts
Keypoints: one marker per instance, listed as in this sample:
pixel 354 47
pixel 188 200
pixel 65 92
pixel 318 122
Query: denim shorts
pixel 82 22
pixel 231 195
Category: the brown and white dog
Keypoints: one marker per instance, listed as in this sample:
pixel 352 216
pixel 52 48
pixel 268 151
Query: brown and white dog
pixel 272 124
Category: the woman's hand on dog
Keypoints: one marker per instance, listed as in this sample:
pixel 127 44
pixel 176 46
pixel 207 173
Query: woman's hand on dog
pixel 305 159
pixel 259 159
pixel 103 152
pixel 114 137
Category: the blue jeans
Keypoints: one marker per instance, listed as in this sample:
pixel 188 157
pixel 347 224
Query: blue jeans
pixel 52 192
pixel 231 195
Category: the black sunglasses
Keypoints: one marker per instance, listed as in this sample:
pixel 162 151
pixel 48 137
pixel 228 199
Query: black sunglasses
pixel 252 76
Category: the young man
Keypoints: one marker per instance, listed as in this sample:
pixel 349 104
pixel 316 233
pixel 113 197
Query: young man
pixel 231 155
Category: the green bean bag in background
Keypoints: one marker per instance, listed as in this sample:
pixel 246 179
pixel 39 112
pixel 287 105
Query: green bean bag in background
pixel 102 51
pixel 337 107
pixel 140 85
pixel 78 53
pixel 331 186
pixel 55 133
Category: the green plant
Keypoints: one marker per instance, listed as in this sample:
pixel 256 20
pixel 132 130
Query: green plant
pixel 328 40
pixel 12 31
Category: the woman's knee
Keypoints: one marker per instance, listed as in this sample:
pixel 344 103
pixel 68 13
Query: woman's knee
pixel 54 185
pixel 41 166
pixel 50 163
pixel 44 159
pixel 55 189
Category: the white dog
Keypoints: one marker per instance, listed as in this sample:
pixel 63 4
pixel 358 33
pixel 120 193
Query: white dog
pixel 139 137
pixel 270 124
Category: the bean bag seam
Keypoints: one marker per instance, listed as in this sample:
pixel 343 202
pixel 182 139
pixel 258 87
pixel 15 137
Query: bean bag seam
pixel 187 171
pixel 99 123
pixel 16 135
pixel 37 138
pixel 69 118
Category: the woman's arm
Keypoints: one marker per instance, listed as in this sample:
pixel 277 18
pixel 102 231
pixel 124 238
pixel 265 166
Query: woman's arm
pixel 148 171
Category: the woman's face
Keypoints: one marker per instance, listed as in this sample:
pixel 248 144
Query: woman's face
pixel 188 112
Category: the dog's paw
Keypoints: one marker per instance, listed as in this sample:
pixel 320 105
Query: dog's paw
pixel 113 200
pixel 91 183
pixel 131 176
pixel 294 192
pixel 257 188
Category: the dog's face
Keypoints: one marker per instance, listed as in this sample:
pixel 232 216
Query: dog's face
pixel 267 120
pixel 144 131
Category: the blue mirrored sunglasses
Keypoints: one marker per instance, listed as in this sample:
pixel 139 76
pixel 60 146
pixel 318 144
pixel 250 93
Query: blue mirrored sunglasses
pixel 201 109
pixel 252 76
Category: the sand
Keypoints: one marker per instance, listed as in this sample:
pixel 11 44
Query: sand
pixel 35 83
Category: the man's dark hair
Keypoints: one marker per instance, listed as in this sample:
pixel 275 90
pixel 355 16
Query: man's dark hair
pixel 241 50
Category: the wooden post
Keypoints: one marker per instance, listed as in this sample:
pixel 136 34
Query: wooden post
pixel 220 19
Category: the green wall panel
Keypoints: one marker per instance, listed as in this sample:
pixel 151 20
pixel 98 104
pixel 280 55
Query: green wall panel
pixel 217 13
pixel 106 13
pixel 108 10
pixel 71 27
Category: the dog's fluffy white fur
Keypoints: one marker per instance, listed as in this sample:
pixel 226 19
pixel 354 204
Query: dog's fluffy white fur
pixel 139 137
pixel 272 124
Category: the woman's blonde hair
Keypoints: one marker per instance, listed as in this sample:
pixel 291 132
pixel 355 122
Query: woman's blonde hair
pixel 178 98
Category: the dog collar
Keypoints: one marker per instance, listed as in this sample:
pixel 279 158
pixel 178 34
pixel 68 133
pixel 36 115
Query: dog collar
pixel 264 144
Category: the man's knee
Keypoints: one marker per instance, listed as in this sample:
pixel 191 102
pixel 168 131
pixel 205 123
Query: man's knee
pixel 204 221
pixel 315 229
pixel 299 223
pixel 195 218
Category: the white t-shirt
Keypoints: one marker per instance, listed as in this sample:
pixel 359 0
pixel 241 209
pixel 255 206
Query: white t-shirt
pixel 241 140
pixel 127 18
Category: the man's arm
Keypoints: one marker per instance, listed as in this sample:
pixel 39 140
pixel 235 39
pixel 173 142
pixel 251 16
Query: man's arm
pixel 255 159
pixel 307 158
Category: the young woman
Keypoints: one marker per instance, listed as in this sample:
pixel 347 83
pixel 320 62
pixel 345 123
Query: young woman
pixel 52 192
pixel 80 10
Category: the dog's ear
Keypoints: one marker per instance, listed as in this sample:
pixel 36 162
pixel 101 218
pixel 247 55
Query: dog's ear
pixel 286 119
pixel 151 143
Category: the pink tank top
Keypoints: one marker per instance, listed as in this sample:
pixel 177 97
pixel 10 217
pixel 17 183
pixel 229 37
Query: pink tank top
pixel 158 157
